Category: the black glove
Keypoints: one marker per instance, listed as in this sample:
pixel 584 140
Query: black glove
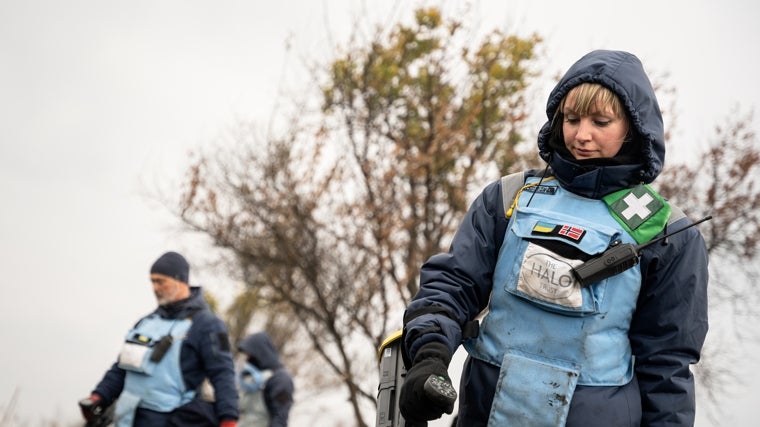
pixel 415 403
pixel 91 407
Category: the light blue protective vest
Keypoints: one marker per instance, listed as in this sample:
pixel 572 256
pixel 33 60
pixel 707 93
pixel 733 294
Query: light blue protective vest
pixel 252 383
pixel 546 332
pixel 157 386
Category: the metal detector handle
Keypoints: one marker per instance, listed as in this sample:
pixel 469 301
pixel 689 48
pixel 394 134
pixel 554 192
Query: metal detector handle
pixel 441 392
pixel 102 416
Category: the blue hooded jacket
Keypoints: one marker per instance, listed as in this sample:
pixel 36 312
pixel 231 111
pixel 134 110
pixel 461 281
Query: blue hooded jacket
pixel 670 322
pixel 622 73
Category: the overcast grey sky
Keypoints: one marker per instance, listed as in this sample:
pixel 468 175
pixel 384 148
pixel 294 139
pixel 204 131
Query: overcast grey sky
pixel 99 97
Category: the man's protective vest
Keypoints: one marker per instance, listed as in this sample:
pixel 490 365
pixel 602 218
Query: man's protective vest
pixel 153 379
pixel 545 331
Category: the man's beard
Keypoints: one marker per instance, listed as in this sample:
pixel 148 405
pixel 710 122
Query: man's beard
pixel 167 298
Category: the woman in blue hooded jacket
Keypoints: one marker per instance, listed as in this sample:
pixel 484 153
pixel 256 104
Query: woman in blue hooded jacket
pixel 555 347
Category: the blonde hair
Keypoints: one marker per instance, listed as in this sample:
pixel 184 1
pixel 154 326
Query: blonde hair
pixel 589 98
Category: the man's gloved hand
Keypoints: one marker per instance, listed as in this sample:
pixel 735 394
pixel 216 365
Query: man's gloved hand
pixel 91 406
pixel 416 405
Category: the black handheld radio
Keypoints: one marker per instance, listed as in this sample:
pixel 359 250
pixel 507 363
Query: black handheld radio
pixel 618 258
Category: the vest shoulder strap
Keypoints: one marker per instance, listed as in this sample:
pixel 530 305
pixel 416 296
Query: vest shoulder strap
pixel 675 213
pixel 510 185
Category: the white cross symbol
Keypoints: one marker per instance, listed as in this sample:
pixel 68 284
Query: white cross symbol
pixel 637 206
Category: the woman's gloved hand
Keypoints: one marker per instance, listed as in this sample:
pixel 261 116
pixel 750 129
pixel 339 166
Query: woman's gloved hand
pixel 416 404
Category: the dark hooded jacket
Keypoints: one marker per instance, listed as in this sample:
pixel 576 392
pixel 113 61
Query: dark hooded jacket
pixel 278 389
pixel 205 353
pixel 670 322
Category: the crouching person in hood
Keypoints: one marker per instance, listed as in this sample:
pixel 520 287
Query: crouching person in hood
pixel 266 387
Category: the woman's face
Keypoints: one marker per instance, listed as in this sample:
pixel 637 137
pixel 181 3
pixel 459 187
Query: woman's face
pixel 596 135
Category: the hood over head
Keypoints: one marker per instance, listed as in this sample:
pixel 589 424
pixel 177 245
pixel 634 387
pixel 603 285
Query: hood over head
pixel 260 350
pixel 623 74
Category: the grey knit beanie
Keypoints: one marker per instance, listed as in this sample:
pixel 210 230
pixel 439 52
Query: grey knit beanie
pixel 173 265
